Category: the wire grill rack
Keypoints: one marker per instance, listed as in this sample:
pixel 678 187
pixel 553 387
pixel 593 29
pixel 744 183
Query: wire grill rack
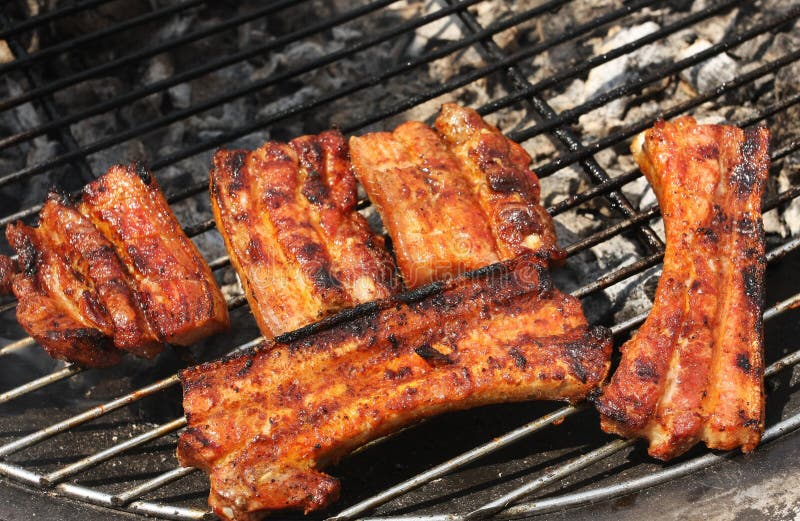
pixel 142 495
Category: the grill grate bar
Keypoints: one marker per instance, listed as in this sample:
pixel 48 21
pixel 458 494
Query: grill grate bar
pixel 89 414
pixel 566 136
pixel 259 123
pixel 44 381
pixel 79 41
pixel 123 498
pixel 39 20
pixel 227 61
pixel 17 346
pixel 142 54
pixel 34 79
pixel 100 410
pixel 631 130
pixel 668 70
pixel 662 476
pixel 99 457
pixel 446 87
pixel 360 85
pixel 459 461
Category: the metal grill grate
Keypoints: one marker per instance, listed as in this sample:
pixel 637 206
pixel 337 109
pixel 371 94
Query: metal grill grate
pixel 33 455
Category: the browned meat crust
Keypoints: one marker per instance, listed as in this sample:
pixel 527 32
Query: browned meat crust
pixel 437 227
pixel 265 423
pixel 174 284
pixel 92 256
pixel 287 214
pixel 454 198
pixel 57 307
pixel 508 191
pixel 8 268
pixel 115 272
pixel 694 370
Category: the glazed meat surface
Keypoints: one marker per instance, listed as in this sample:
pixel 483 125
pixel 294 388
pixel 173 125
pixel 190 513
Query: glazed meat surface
pixel 427 206
pixel 57 307
pixel 694 370
pixel 174 285
pixel 288 215
pixel 453 198
pixel 112 271
pixel 92 257
pixel 265 423
pixel 506 188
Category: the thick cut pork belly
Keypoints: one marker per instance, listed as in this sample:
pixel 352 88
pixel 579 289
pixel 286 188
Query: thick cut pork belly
pixel 455 197
pixel 287 214
pixel 694 370
pixel 506 188
pixel 437 226
pixel 174 285
pixel 265 423
pixel 84 248
pixel 57 306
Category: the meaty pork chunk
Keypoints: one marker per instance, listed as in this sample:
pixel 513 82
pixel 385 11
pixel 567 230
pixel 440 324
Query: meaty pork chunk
pixel 694 370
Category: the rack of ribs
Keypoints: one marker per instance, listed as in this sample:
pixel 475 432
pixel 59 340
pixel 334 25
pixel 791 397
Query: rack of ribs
pixel 287 213
pixel 453 198
pixel 265 423
pixel 112 270
pixel 694 370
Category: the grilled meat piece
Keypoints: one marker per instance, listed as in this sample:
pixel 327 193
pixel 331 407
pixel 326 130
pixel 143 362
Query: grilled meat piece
pixel 174 285
pixel 694 370
pixel 92 257
pixel 57 306
pixel 8 268
pixel 287 214
pixel 506 188
pixel 264 423
pixel 437 227
pixel 454 198
pixel 113 271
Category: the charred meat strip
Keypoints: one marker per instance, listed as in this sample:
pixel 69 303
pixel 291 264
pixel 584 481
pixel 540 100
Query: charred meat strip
pixel 506 188
pixel 58 305
pixel 111 271
pixel 427 206
pixel 453 198
pixel 265 423
pixel 174 285
pixel 287 214
pixel 92 256
pixel 694 370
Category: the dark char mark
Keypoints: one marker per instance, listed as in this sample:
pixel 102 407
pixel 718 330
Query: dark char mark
pixel 142 172
pixel 245 368
pixel 753 285
pixel 745 175
pixel 644 369
pixel 743 362
pixel 29 257
pixel 519 359
pixel 234 163
pixel 432 356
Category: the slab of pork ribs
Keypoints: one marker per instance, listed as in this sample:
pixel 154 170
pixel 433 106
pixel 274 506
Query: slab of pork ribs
pixel 287 212
pixel 265 423
pixel 694 370
pixel 454 197
pixel 112 270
